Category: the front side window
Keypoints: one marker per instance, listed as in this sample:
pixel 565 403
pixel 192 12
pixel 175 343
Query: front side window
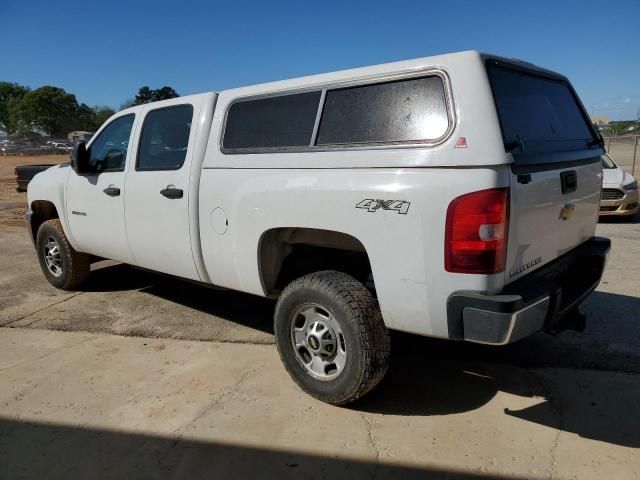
pixel 274 122
pixel 165 138
pixel 410 110
pixel 108 152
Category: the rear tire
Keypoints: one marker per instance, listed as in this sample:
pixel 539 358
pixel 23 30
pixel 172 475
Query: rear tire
pixel 331 336
pixel 62 266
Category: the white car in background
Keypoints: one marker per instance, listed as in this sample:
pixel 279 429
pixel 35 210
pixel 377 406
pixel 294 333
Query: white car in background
pixel 619 190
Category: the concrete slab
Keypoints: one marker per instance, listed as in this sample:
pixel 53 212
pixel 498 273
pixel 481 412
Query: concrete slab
pixel 77 405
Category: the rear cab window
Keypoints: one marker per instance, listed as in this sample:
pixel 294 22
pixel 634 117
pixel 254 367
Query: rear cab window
pixel 539 115
pixel 165 138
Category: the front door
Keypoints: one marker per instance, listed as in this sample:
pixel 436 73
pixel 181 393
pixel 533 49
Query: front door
pixel 95 202
pixel 157 184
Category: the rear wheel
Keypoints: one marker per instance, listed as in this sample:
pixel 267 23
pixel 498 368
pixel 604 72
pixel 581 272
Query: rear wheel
pixel 331 336
pixel 62 266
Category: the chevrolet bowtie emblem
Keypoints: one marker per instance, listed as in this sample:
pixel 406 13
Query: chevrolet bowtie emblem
pixel 567 211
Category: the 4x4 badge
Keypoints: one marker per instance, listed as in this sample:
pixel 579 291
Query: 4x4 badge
pixel 373 205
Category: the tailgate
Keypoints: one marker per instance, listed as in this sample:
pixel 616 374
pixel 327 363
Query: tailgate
pixel 546 222
pixel 556 173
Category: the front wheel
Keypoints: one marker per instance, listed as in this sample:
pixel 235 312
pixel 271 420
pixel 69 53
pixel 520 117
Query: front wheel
pixel 331 336
pixel 62 266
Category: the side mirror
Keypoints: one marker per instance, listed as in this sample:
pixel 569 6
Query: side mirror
pixel 80 157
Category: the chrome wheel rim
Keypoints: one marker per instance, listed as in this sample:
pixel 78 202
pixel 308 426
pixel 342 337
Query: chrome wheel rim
pixel 318 342
pixel 53 257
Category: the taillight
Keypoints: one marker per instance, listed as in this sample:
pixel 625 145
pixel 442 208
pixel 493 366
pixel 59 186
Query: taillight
pixel 476 232
pixel 15 172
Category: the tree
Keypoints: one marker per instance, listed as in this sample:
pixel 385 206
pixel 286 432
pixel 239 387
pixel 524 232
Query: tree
pixel 620 127
pixel 146 95
pixel 127 104
pixel 49 109
pixel 164 93
pixel 84 119
pixel 102 114
pixel 10 94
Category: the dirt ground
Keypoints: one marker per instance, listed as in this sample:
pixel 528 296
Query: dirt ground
pixel 12 202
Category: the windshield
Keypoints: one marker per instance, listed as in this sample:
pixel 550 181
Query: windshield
pixel 607 162
pixel 538 114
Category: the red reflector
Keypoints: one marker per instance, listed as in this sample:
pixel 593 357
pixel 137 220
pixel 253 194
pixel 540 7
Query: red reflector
pixel 476 232
pixel 461 142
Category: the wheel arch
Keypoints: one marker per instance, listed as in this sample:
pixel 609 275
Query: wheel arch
pixel 42 210
pixel 287 253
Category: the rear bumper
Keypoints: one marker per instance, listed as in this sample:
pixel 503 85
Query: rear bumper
pixel 538 301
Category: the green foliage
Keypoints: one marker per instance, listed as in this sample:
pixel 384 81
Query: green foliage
pixel 10 94
pixel 146 95
pixel 49 109
pixel 127 104
pixel 102 114
pixel 84 119
pixel 620 127
pixel 55 112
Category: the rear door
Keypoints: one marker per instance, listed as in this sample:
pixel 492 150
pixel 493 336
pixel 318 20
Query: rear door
pixel 157 186
pixel 556 175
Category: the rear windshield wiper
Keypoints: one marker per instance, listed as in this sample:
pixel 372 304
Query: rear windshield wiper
pixel 517 143
pixel 596 141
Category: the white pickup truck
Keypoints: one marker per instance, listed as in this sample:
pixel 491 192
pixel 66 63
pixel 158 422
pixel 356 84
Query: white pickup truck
pixel 453 196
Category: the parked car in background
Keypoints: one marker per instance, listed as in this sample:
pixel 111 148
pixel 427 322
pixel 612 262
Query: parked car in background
pixel 620 194
pixel 24 174
pixel 8 148
pixel 61 148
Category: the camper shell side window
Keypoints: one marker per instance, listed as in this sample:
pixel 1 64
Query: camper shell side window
pixel 414 110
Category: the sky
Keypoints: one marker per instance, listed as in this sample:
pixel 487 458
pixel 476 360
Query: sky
pixel 104 51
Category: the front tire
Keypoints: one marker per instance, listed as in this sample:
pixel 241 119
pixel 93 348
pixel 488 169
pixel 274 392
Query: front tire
pixel 331 336
pixel 62 266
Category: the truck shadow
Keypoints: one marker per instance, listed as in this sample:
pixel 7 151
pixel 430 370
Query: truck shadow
pixel 37 450
pixel 575 376
pixel 583 383
pixel 241 308
pixel 430 377
pixel 612 219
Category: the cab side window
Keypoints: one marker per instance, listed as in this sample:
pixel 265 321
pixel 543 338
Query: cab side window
pixel 164 138
pixel 108 152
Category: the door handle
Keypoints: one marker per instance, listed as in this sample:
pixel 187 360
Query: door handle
pixel 112 191
pixel 172 192
pixel 569 181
